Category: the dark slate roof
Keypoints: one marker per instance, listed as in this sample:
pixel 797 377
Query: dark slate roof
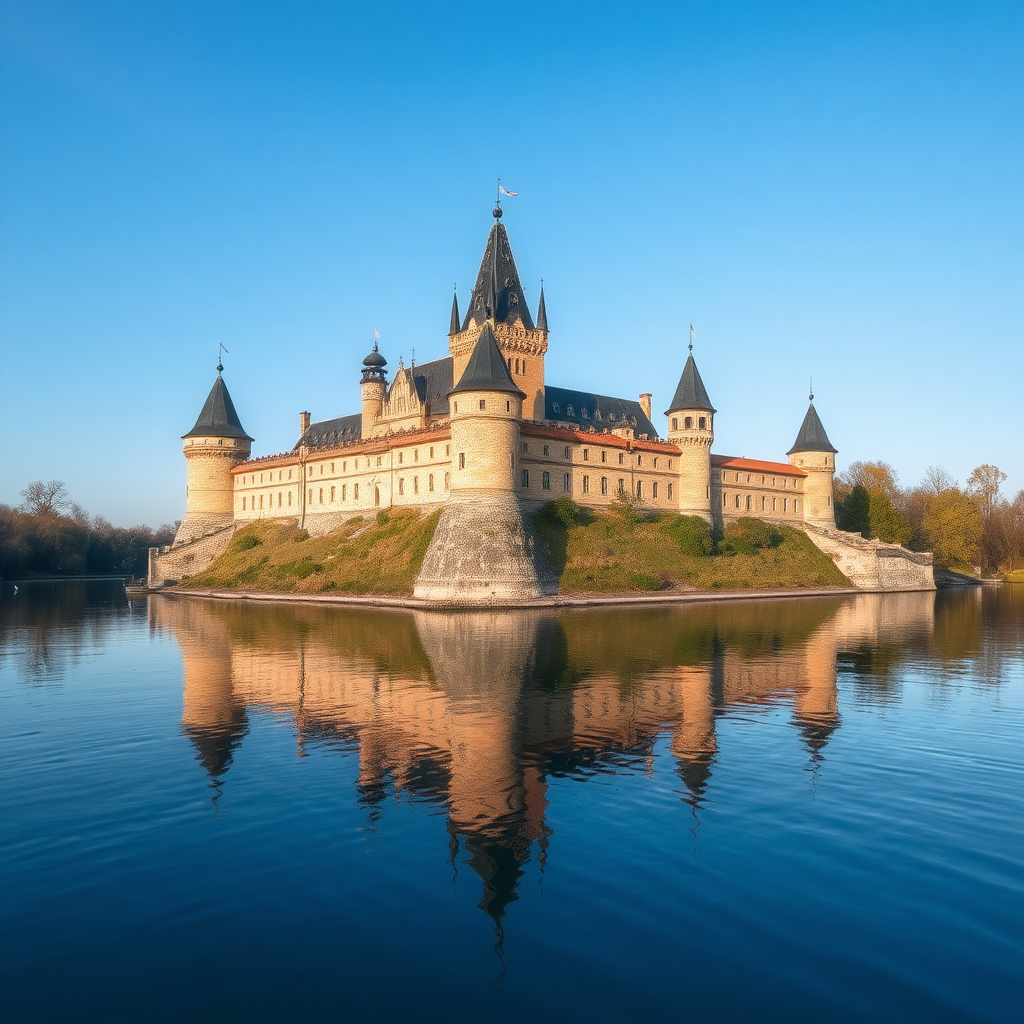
pixel 690 391
pixel 542 312
pixel 433 381
pixel 329 433
pixel 602 412
pixel 218 418
pixel 453 327
pixel 497 285
pixel 812 436
pixel 486 369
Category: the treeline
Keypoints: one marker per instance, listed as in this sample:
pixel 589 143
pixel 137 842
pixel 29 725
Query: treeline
pixel 974 526
pixel 48 533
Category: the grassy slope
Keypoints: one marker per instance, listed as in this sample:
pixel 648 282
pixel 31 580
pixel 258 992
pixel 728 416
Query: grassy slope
pixel 606 553
pixel 363 557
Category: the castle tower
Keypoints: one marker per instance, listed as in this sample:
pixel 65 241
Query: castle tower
pixel 813 453
pixel 498 299
pixel 213 447
pixel 691 418
pixel 373 388
pixel 484 548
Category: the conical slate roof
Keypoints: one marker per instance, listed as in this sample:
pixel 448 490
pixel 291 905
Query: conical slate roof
pixel 218 418
pixel 453 327
pixel 497 285
pixel 812 436
pixel 542 312
pixel 486 369
pixel 690 391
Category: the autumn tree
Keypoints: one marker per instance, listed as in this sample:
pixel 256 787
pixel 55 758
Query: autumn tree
pixel 45 498
pixel 953 527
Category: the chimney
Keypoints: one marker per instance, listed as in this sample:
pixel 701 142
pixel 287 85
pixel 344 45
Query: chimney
pixel 645 404
pixel 304 420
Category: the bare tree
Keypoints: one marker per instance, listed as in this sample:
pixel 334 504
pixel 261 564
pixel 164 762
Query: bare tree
pixel 936 480
pixel 50 498
pixel 983 484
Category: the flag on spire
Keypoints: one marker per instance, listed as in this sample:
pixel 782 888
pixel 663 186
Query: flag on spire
pixel 504 191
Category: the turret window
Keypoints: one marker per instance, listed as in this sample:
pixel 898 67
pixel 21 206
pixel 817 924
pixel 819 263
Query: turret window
pixel 567 451
pixel 703 422
pixel 462 460
pixel 523 448
pixel 675 422
pixel 483 403
pixel 622 458
pixel 545 450
pixel 688 422
pixel 545 481
pixel 586 454
pixel 604 456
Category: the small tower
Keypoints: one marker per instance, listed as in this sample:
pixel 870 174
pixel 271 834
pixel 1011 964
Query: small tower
pixel 213 447
pixel 813 453
pixel 691 419
pixel 373 387
pixel 486 406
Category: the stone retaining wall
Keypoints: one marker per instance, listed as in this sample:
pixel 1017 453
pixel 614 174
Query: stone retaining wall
pixel 872 564
pixel 179 561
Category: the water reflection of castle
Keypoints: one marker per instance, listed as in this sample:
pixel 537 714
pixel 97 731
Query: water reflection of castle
pixel 478 709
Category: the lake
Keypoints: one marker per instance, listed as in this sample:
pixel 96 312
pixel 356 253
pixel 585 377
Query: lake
pixel 808 809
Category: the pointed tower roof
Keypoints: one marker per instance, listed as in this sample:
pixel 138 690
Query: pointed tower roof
pixel 812 436
pixel 690 391
pixel 497 284
pixel 218 418
pixel 542 311
pixel 486 369
pixel 455 327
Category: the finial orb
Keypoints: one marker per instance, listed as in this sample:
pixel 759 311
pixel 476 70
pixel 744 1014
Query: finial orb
pixel 497 213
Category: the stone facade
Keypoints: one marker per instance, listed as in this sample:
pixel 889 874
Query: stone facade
pixel 489 444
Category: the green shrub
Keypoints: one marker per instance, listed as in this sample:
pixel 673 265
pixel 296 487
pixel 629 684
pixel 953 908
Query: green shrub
pixel 382 517
pixel 245 542
pixel 300 535
pixel 566 511
pixel 748 535
pixel 692 534
pixel 300 570
pixel 645 581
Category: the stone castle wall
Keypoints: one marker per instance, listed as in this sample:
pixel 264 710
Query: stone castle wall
pixel 873 564
pixel 181 560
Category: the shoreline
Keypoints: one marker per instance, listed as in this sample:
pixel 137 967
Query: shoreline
pixel 554 601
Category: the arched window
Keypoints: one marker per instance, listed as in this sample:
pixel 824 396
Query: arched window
pixel 737 501
pixel 748 502
pixel 376 495
pixel 654 489
pixel 517 366
pixel 639 488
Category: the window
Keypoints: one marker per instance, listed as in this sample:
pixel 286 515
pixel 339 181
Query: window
pixel 748 478
pixel 261 501
pixel 669 492
pixel 289 498
pixel 355 492
pixel 243 504
pixel 675 422
pixel 546 452
pixel 725 499
pixel 415 485
pixel 526 478
pixel 483 403
pixel 462 460
pixel 597 414
pixel 639 460
pixel 456 406
pixel 280 498
pixel 669 463
pixel 567 451
pixel 785 504
pixel 332 470
pixel 524 366
pixel 311 496
pixel 604 456
pixel 401 485
pixel 508 406
pixel 545 481
pixel 655 462
pixel 639 488
pixel 447 449
pixel 703 422
pixel 523 448
pixel 399 458
pixel 344 491
pixel 517 366
pixel 621 487
pixel 379 458
pixel 748 502
pixel 737 478
pixel 737 501
pixel 796 505
pixel 622 458
pixel 586 485
pixel 321 469
pixel 586 415
pixel 431 451
pixel 569 411
pixel 447 480
pixel 321 495
pixel 554 407
pixel 654 489
pixel 830 502
pixel 604 485
pixel 566 482
pixel 762 502
pixel 430 482
pixel 586 454
pixel 688 422
pixel 774 500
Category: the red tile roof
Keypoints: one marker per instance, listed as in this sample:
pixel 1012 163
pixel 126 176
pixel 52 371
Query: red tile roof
pixel 756 465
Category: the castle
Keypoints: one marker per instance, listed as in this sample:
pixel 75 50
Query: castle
pixel 481 434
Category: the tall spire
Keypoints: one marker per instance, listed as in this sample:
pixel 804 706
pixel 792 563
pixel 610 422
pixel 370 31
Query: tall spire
pixel 454 327
pixel 218 417
pixel 812 436
pixel 498 293
pixel 690 391
pixel 542 310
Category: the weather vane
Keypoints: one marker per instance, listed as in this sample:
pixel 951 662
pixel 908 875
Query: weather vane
pixel 220 353
pixel 693 334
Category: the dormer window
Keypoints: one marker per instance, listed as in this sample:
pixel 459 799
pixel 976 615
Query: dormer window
pixel 611 417
pixel 569 411
pixel 597 414
pixel 586 415
pixel 555 407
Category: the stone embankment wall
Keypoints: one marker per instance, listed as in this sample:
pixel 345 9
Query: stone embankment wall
pixel 179 561
pixel 872 564
pixel 484 551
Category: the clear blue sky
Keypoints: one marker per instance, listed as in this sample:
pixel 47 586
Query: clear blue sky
pixel 824 188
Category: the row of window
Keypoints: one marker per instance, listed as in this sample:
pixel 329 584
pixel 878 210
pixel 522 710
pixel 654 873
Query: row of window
pixel 416 483
pixel 567 453
pixel 311 469
pixel 764 480
pixel 747 502
pixel 585 413
pixel 545 484
pixel 702 423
